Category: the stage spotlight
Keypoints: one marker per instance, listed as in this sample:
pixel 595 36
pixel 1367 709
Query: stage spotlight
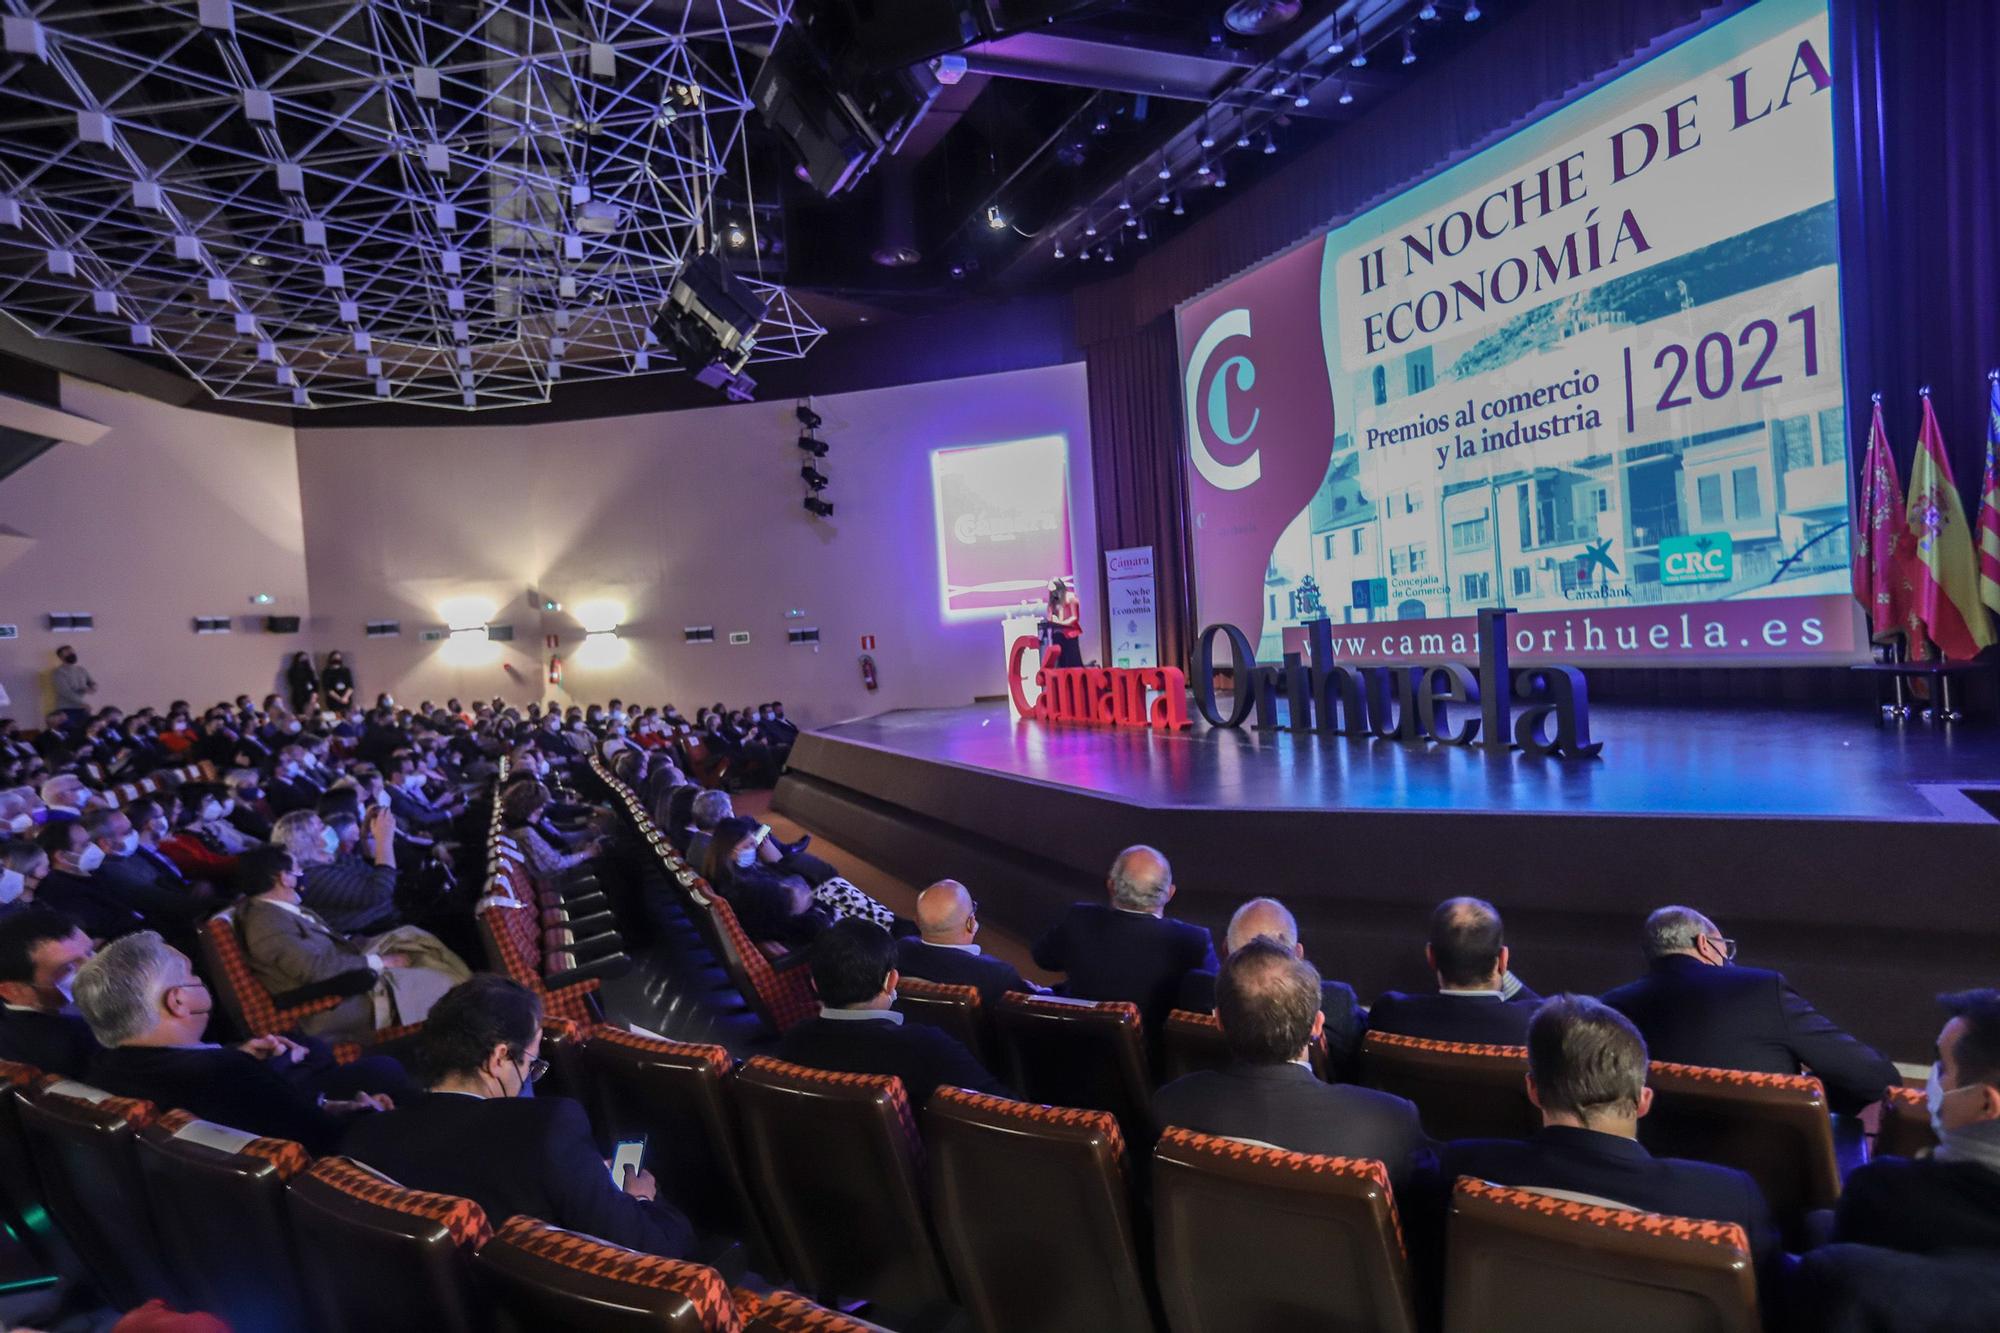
pixel 813 477
pixel 995 219
pixel 817 448
pixel 736 236
pixel 815 505
pixel 808 418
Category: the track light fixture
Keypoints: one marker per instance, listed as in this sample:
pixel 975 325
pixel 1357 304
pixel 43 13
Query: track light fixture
pixel 808 418
pixel 814 505
pixel 813 477
pixel 1409 46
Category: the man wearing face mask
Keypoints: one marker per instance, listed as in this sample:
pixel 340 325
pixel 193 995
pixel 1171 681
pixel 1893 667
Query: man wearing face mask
pixel 292 786
pixel 64 797
pixel 23 864
pixel 132 879
pixel 40 951
pixel 415 812
pixel 480 1133
pixel 1695 1007
pixel 351 893
pixel 1951 1199
pixel 149 820
pixel 72 887
pixel 148 1010
pixel 73 686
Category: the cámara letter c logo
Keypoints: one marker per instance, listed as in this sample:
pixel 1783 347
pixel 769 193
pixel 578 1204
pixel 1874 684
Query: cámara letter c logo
pixel 1243 372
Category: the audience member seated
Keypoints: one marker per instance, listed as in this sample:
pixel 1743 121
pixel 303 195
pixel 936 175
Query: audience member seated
pixel 149 819
pixel 1269 917
pixel 293 786
pixel 1128 949
pixel 23 866
pixel 63 798
pixel 351 892
pixel 769 904
pixel 415 812
pixel 198 852
pixel 1587 1075
pixel 1950 1201
pixel 710 808
pixel 395 977
pixel 167 904
pixel 1695 1008
pixel 522 807
pixel 942 950
pixel 249 814
pixel 1468 952
pixel 40 951
pixel 1269 1002
pixel 479 1132
pixel 148 1011
pixel 859 1032
pixel 72 888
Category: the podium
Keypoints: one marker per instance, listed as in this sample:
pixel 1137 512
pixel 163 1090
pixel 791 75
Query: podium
pixel 1016 627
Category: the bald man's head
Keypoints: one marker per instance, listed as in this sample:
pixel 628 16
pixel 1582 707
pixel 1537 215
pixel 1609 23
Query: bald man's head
pixel 1468 947
pixel 1262 916
pixel 946 913
pixel 1141 880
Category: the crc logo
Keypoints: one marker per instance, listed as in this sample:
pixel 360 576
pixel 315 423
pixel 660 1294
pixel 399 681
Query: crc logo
pixel 1708 557
pixel 1213 407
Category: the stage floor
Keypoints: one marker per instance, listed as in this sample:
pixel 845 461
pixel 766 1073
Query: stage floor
pixel 1658 760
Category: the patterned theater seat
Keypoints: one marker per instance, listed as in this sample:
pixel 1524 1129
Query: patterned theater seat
pixel 789 1312
pixel 838 1169
pixel 955 1009
pixel 1078 1053
pixel 542 1277
pixel 374 1256
pixel 1774 1126
pixel 782 996
pixel 1462 1090
pixel 996 1164
pixel 1519 1259
pixel 218 1195
pixel 1252 1237
pixel 1906 1124
pixel 512 936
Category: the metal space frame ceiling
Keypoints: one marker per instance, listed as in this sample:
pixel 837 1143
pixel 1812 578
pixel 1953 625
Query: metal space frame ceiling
pixel 454 203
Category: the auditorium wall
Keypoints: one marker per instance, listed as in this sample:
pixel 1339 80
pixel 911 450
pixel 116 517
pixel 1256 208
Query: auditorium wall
pixel 679 519
pixel 172 514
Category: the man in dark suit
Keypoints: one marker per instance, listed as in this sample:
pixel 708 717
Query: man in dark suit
pixel 1695 1008
pixel 148 1011
pixel 135 881
pixel 40 951
pixel 1128 949
pixel 1949 1201
pixel 1587 1074
pixel 481 1134
pixel 1268 999
pixel 414 811
pixel 1477 1000
pixel 1345 1019
pixel 72 888
pixel 859 1032
pixel 292 786
pixel 943 951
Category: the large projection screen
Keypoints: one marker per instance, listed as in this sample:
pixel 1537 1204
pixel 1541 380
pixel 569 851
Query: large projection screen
pixel 1592 373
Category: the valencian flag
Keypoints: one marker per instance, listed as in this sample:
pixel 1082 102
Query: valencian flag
pixel 1989 504
pixel 1882 538
pixel 1942 570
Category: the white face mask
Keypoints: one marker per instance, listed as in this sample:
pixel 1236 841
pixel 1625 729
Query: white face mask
pixel 129 844
pixel 91 857
pixel 382 799
pixel 21 823
pixel 12 886
pixel 180 724
pixel 228 805
pixel 293 726
pixel 747 855
pixel 330 839
pixel 211 810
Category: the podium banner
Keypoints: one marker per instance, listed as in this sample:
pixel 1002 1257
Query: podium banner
pixel 1128 594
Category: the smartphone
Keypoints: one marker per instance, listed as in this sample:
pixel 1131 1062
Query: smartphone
pixel 763 832
pixel 630 1152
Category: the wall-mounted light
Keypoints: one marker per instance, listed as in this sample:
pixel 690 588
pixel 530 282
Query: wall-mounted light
pixel 601 648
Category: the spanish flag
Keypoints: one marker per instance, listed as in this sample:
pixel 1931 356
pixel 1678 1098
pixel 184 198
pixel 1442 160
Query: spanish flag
pixel 1943 572
pixel 1989 504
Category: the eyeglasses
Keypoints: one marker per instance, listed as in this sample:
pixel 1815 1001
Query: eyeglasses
pixel 536 1068
pixel 1728 947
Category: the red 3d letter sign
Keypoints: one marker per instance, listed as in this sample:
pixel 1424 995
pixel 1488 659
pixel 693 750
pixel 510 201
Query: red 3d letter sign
pixel 1106 696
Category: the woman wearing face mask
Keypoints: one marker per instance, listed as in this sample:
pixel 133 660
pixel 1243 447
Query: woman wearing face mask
pixel 351 892
pixel 769 904
pixel 192 845
pixel 522 806
pixel 336 683
pixel 302 682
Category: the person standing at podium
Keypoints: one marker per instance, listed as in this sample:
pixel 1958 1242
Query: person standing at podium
pixel 1065 623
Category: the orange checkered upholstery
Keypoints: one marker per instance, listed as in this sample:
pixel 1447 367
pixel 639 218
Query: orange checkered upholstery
pixel 702 1287
pixel 1101 1123
pixel 1125 1011
pixel 1803 1084
pixel 131 1110
pixel 1463 1090
pixel 289 1158
pixel 462 1219
pixel 1906 1124
pixel 1694 1230
pixel 14 1075
pixel 715 1057
pixel 786 998
pixel 887 1084
pixel 1216 1147
pixel 238 988
pixel 1396 1041
pixel 514 939
pixel 789 1312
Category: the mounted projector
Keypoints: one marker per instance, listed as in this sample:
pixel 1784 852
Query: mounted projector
pixel 837 118
pixel 710 320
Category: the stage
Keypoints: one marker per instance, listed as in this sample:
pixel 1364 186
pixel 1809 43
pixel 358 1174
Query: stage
pixel 1860 858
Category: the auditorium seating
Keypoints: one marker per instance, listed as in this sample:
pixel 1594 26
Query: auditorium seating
pixel 1190 1042
pixel 1905 1125
pixel 955 1009
pixel 539 1278
pixel 1253 1239
pixel 1033 1211
pixel 676 1095
pixel 1077 1053
pixel 1462 1090
pixel 838 1170
pixel 1517 1259
pixel 789 1312
pixel 251 1009
pixel 1774 1126
pixel 84 1145
pixel 376 1256
pixel 217 1196
pixel 21 1190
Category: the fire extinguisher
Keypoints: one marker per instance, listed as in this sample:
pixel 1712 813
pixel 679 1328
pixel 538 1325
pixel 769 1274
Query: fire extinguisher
pixel 868 672
pixel 555 671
